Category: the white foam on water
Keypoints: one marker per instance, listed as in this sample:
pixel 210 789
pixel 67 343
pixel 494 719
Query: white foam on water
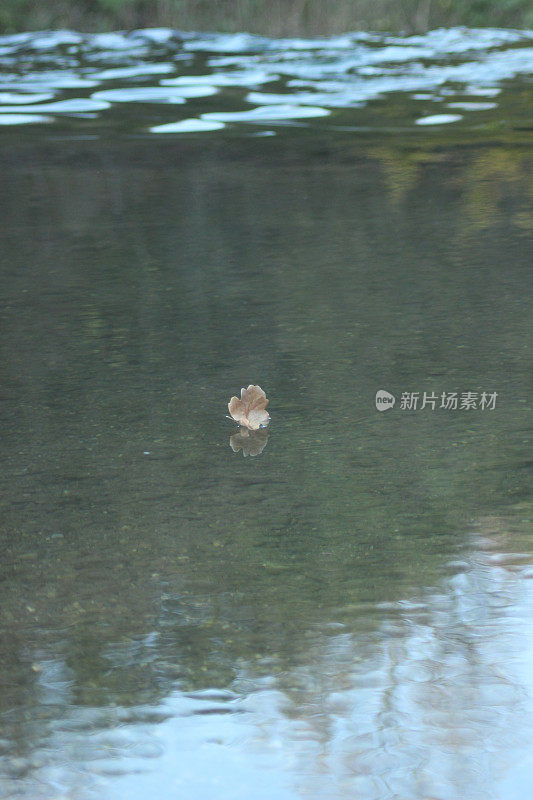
pixel 438 119
pixel 23 119
pixel 268 114
pixel 189 126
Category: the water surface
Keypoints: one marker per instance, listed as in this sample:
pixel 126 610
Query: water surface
pixel 233 80
pixel 348 612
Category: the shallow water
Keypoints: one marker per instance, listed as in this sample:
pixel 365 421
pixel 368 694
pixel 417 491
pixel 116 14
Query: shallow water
pixel 346 611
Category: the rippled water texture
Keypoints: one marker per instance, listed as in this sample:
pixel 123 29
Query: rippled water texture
pixel 339 606
pixel 221 80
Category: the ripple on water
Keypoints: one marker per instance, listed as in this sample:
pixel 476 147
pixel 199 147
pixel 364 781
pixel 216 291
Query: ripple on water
pixel 438 119
pixel 483 91
pixel 23 119
pixel 24 99
pixel 314 77
pixel 37 81
pixel 228 43
pixel 473 106
pixel 268 114
pixel 238 78
pixel 157 35
pixel 339 100
pixel 50 40
pixel 153 94
pixel 137 71
pixel 113 41
pixel 74 106
pixel 188 126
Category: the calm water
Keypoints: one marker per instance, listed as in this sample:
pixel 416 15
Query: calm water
pixel 347 613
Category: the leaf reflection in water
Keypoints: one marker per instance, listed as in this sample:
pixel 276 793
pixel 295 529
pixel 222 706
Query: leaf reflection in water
pixel 252 443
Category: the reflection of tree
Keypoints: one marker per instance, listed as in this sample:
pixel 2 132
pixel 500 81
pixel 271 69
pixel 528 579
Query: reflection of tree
pixel 129 513
pixel 495 178
pixel 424 693
pixel 400 169
pixel 124 326
pixel 432 699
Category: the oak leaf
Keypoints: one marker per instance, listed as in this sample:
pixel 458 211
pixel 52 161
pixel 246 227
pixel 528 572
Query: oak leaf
pixel 250 409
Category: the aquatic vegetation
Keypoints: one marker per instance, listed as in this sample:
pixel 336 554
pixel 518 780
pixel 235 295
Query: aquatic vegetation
pixel 250 409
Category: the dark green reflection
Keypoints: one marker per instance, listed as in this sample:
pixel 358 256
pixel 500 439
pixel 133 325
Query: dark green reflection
pixel 144 285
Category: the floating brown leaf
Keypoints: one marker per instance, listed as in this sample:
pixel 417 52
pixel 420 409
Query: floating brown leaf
pixel 252 443
pixel 250 409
